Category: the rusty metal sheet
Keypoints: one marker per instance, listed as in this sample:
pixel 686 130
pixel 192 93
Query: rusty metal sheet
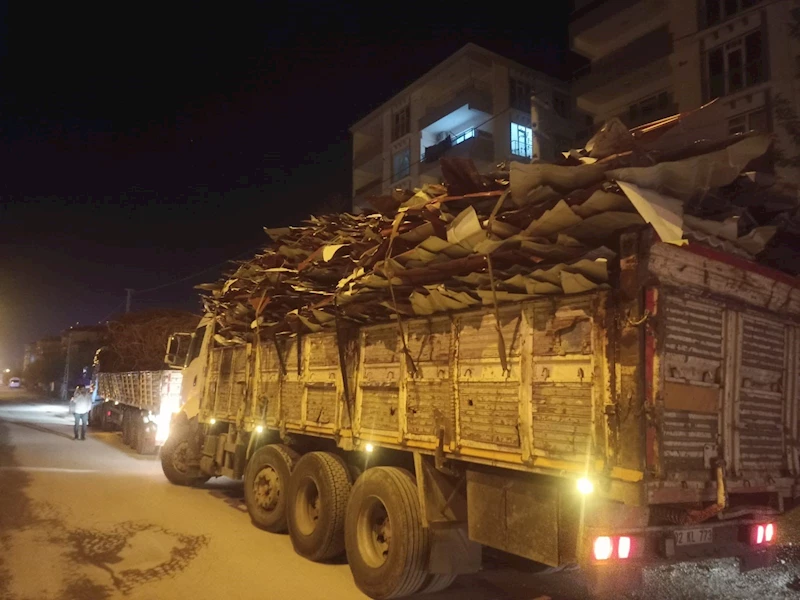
pixel 761 395
pixel 690 395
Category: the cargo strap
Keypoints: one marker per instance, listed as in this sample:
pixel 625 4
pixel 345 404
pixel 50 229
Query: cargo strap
pixel 348 399
pixel 390 272
pixel 501 344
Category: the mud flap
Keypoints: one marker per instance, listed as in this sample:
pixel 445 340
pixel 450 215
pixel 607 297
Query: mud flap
pixel 612 581
pixel 757 560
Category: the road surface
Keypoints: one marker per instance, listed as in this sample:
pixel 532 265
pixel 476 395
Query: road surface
pixel 93 521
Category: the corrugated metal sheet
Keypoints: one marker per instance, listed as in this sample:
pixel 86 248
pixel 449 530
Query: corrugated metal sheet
pixel 692 368
pixel 761 395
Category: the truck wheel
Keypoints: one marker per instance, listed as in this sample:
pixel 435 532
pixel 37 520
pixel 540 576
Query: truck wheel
pixel 387 546
pixel 127 421
pixel 317 503
pixel 436 583
pixel 266 479
pixel 175 462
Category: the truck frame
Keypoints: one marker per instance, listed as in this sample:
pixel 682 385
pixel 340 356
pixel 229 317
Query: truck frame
pixel 651 423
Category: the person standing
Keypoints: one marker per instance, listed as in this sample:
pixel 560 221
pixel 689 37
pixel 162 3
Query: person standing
pixel 80 405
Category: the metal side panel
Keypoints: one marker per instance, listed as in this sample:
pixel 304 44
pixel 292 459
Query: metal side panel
pixel 430 405
pixel 692 368
pixel 224 383
pixel 488 397
pixel 761 395
pixel 321 380
pixel 562 380
pixel 379 382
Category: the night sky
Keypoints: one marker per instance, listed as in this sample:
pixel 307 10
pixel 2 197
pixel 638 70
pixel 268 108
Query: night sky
pixel 139 147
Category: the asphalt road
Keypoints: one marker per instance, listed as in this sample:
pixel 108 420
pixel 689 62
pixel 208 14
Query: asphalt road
pixel 93 521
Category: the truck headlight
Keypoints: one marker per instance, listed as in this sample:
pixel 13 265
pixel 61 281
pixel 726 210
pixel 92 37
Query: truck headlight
pixel 585 486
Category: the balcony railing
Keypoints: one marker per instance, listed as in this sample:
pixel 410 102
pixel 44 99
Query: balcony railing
pixel 473 143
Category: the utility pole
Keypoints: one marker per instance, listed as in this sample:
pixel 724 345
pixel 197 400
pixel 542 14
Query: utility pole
pixel 128 300
pixel 65 385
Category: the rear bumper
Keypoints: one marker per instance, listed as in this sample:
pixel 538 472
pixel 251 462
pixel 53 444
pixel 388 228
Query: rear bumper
pixel 652 546
pixel 656 546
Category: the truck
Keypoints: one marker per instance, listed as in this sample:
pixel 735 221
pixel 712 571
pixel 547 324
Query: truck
pixel 139 403
pixel 650 419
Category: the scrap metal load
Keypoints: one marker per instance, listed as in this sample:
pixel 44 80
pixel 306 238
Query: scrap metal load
pixel 136 341
pixel 532 230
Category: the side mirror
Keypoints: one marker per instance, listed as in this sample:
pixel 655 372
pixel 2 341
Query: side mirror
pixel 177 349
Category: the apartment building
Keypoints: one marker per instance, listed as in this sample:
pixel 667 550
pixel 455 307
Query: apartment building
pixel 653 58
pixel 475 104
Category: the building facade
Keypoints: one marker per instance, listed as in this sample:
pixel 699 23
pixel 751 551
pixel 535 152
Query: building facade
pixel 476 104
pixel 653 58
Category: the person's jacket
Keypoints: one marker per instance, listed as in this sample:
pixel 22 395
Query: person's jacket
pixel 81 402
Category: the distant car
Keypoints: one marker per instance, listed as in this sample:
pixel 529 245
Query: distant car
pixel 14 382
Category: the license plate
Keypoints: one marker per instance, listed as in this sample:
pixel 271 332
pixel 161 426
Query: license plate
pixel 690 537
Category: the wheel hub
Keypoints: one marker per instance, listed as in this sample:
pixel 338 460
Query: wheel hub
pixel 307 506
pixel 374 530
pixel 267 488
pixel 180 458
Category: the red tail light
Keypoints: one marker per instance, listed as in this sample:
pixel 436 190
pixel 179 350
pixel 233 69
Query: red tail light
pixel 108 413
pixel 762 534
pixel 769 532
pixel 624 547
pixel 603 548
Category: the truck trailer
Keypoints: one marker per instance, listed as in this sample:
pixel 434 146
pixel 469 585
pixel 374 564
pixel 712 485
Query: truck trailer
pixel 139 403
pixel 633 405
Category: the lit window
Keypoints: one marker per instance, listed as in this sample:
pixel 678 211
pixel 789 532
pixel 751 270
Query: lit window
pixel 400 122
pixel 735 65
pixel 521 140
pixel 401 164
pixel 462 137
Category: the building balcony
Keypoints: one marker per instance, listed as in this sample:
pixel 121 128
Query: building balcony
pixel 640 53
pixel 601 27
pixel 473 144
pixel 472 99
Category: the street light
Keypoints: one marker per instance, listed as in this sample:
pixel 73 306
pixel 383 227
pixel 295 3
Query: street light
pixel 8 370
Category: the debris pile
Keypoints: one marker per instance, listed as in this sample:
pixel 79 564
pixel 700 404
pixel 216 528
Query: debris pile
pixel 522 232
pixel 136 341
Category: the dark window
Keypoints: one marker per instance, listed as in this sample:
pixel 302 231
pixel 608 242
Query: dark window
pixel 561 105
pixel 401 164
pixel 713 12
pixel 736 65
pixel 716 11
pixel 196 344
pixel 400 123
pixel 520 94
pixel 754 70
pixel 649 109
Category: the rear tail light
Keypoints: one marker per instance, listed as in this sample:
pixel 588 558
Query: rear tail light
pixel 108 414
pixel 624 547
pixel 762 534
pixel 769 532
pixel 603 548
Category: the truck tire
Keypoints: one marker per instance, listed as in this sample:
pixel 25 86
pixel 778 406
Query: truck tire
pixel 387 546
pixel 437 583
pixel 174 456
pixel 266 480
pixel 317 503
pixel 127 421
